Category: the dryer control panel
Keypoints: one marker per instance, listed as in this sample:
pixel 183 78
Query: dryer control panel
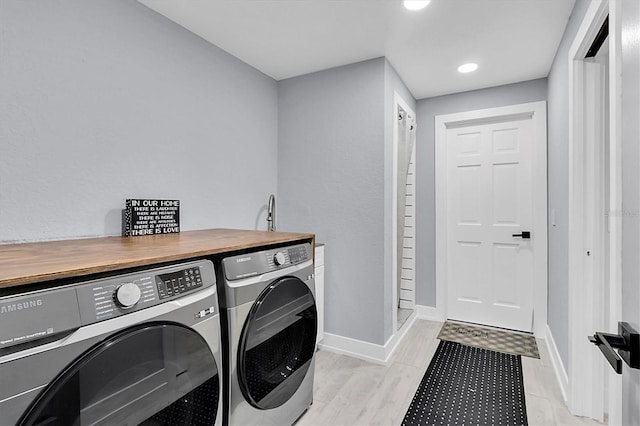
pixel 261 262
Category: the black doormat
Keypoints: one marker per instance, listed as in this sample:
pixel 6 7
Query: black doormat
pixel 471 386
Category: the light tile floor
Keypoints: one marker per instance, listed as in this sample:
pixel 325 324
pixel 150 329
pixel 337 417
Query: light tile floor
pixel 349 391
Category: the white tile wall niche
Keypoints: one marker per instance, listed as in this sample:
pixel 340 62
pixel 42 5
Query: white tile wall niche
pixel 407 284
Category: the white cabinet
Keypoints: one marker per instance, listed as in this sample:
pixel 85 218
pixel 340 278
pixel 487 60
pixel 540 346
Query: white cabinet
pixel 319 281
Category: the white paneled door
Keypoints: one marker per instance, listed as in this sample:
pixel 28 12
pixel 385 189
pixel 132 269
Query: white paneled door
pixel 490 265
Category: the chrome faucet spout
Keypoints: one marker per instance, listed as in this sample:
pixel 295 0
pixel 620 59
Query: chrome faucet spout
pixel 271 213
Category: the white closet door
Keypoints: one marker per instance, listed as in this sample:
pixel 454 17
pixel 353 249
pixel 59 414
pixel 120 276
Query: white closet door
pixel 490 198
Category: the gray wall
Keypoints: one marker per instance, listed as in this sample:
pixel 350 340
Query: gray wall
pixel 331 160
pixel 630 197
pixel 558 186
pixel 106 100
pixel 529 91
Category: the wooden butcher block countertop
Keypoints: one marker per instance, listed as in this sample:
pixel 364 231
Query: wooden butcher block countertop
pixel 31 263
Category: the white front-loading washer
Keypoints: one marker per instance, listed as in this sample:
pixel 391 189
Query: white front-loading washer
pixel 269 323
pixel 142 347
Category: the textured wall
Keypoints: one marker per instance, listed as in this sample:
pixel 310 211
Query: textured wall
pixel 331 182
pixel 106 100
pixel 558 195
pixel 529 91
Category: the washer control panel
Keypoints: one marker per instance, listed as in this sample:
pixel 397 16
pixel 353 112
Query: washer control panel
pixel 38 314
pixel 118 295
pixel 257 263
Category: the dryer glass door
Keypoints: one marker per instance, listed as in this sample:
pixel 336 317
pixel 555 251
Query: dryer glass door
pixel 156 374
pixel 277 343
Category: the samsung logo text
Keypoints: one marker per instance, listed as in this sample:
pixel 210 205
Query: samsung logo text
pixel 28 304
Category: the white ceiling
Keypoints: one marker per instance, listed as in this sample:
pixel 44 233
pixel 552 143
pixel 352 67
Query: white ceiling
pixel 511 40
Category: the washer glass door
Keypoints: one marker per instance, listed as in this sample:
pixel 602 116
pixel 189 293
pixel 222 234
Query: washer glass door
pixel 277 343
pixel 156 374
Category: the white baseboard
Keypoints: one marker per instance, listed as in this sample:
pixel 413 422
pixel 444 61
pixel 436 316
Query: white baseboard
pixel 430 313
pixel 397 337
pixel 352 347
pixel 379 354
pixel 558 366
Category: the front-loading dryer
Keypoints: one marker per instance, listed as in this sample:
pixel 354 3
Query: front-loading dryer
pixel 268 312
pixel 137 348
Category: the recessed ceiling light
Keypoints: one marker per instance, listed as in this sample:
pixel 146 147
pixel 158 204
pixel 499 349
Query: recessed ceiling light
pixel 416 4
pixel 465 68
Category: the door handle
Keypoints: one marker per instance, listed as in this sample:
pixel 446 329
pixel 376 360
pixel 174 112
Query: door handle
pixel 525 235
pixel 627 342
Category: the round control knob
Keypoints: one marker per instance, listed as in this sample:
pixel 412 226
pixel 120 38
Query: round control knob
pixel 127 295
pixel 279 258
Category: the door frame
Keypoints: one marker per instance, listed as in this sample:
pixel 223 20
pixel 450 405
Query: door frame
pixel 538 113
pixel 587 377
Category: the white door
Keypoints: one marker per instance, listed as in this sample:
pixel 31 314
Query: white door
pixel 490 203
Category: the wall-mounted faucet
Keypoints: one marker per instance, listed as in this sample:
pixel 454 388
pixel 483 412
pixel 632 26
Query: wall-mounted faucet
pixel 271 213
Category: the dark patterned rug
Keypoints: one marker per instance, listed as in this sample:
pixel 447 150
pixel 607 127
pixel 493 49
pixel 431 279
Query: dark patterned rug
pixel 496 339
pixel 469 385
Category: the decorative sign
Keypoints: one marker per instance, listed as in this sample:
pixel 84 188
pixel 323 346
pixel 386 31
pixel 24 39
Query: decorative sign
pixel 151 217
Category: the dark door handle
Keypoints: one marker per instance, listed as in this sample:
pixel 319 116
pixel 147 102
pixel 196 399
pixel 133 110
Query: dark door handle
pixel 525 235
pixel 627 342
